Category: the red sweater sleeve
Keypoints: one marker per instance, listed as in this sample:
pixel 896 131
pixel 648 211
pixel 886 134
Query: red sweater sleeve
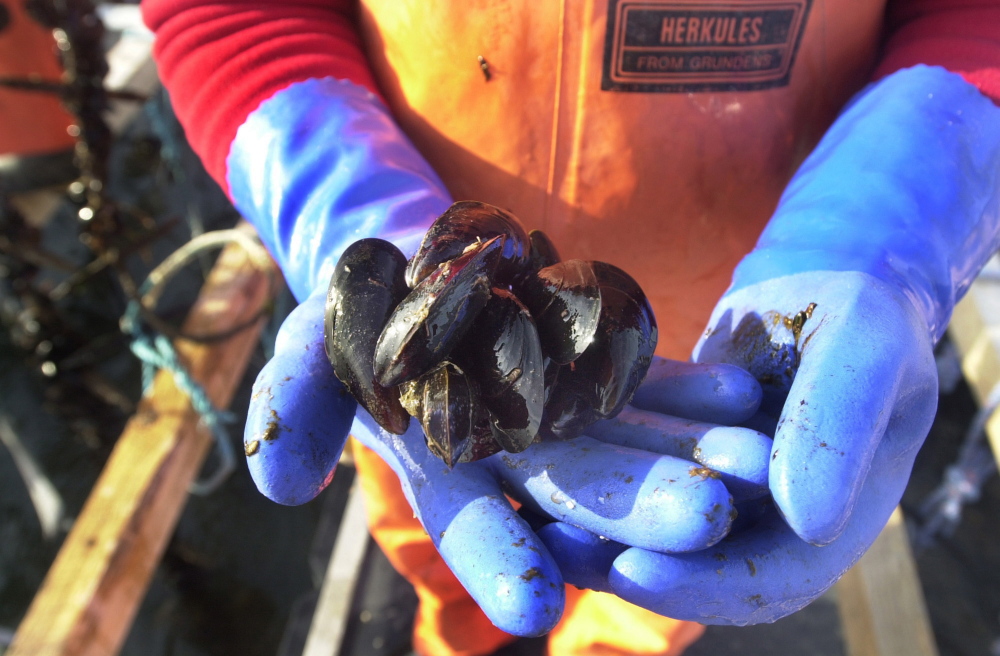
pixel 962 36
pixel 220 60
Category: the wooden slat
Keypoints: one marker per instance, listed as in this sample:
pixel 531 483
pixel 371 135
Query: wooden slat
pixel 975 331
pixel 329 623
pixel 90 596
pixel 881 604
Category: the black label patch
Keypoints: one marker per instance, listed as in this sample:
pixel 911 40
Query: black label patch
pixel 671 46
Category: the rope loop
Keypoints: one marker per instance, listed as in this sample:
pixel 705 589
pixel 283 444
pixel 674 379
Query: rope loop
pixel 156 351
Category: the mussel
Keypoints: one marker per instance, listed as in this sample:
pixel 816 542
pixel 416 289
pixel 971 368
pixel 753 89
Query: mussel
pixel 599 383
pixel 366 286
pixel 462 225
pixel 565 301
pixel 568 410
pixel 543 252
pixel 505 357
pixel 445 402
pixel 482 444
pixel 627 333
pixel 435 316
pixel 485 336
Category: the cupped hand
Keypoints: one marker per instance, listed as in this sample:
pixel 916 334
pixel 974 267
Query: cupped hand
pixel 300 416
pixel 850 389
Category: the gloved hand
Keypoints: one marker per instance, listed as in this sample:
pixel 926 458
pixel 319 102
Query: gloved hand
pixel 836 312
pixel 320 165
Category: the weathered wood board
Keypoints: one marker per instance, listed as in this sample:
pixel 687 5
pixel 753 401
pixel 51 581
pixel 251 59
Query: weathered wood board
pixel 91 594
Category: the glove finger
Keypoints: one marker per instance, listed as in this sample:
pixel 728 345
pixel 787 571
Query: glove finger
pixel 584 558
pixel 299 413
pixel 718 393
pixel 492 550
pixel 849 386
pixel 630 496
pixel 765 572
pixel 741 456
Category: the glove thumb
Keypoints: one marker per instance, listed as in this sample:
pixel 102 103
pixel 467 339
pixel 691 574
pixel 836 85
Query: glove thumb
pixel 299 415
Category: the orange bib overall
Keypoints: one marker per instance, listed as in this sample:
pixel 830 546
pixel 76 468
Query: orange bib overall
pixel 654 135
pixel 31 122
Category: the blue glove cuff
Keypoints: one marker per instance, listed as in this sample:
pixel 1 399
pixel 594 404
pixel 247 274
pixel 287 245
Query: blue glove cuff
pixel 322 164
pixel 903 186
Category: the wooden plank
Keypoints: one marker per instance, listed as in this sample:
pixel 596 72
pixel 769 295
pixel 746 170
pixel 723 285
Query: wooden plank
pixel 91 594
pixel 975 331
pixel 882 608
pixel 329 623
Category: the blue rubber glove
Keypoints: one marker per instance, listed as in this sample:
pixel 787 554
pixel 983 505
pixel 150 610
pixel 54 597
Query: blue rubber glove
pixel 320 165
pixel 836 312
pixel 739 457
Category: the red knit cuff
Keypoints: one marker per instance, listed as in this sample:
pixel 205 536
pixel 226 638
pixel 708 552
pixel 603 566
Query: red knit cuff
pixel 221 60
pixel 963 39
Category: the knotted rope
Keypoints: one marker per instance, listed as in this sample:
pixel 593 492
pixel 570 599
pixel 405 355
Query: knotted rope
pixel 156 351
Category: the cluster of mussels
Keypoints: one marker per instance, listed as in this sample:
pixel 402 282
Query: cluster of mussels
pixel 485 336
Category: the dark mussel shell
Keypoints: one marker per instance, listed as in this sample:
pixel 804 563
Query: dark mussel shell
pixel 551 376
pixel 366 286
pixel 503 353
pixel 462 225
pixel 568 409
pixel 599 383
pixel 626 333
pixel 565 301
pixel 445 403
pixel 435 316
pixel 543 252
pixel 482 444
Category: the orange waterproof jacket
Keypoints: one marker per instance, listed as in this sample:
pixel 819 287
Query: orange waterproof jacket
pixel 653 134
pixel 31 122
pixel 656 136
